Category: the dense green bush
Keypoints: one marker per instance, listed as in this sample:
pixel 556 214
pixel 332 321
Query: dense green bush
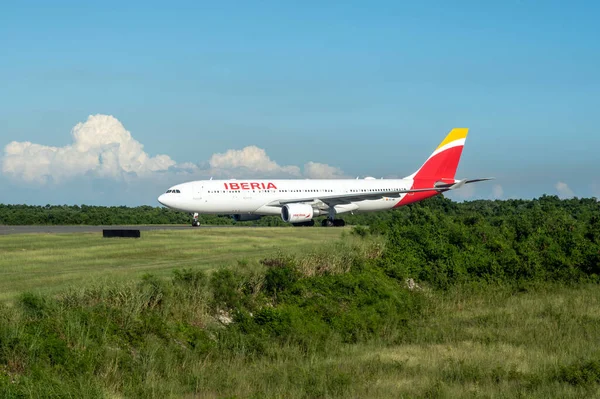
pixel 501 241
pixel 355 306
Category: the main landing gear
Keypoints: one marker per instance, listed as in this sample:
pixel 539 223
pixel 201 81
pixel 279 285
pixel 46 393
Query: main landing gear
pixel 333 223
pixel 195 221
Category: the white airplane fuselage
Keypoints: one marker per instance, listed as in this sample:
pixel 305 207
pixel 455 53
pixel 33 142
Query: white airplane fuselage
pixel 254 197
pixel 298 201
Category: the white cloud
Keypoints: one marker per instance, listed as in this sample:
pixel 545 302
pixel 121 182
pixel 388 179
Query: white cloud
pixel 497 191
pixel 461 194
pixel 315 170
pixel 563 190
pixel 101 147
pixel 249 160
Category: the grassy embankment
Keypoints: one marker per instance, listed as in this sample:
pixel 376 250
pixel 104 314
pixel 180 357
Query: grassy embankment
pixel 51 262
pixel 326 323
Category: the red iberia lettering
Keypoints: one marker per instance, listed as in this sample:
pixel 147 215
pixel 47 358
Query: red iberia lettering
pixel 250 186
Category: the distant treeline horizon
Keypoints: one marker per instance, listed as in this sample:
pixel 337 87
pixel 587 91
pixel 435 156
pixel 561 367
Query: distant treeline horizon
pixel 21 214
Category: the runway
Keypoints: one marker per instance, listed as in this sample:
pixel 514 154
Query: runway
pixel 5 230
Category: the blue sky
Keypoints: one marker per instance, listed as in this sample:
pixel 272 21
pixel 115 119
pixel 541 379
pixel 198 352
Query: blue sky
pixel 356 88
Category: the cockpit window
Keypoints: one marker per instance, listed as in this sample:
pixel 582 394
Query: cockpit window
pixel 178 192
pixel 168 191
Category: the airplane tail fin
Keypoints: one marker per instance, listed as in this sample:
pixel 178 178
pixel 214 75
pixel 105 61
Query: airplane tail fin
pixel 443 162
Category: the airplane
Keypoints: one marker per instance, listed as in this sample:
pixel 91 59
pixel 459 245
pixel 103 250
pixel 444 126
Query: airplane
pixel 298 201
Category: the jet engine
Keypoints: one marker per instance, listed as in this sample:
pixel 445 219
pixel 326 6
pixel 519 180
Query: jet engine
pixel 297 213
pixel 244 217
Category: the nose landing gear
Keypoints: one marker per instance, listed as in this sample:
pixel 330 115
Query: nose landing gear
pixel 195 221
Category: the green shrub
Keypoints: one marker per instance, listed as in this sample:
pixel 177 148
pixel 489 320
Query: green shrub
pixel 360 231
pixel 34 304
pixel 280 278
pixel 189 277
pixel 356 306
pixel 226 288
pixel 581 373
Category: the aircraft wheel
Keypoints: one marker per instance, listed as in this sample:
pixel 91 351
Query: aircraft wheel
pixel 339 222
pixel 196 223
pixel 327 223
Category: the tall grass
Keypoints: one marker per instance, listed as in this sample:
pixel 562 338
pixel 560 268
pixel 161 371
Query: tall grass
pixel 328 323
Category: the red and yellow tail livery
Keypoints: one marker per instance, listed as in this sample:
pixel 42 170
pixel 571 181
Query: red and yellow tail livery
pixel 439 168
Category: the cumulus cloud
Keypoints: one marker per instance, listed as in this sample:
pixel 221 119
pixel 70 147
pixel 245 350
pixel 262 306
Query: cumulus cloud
pixel 251 160
pixel 464 193
pixel 497 191
pixel 563 190
pixel 101 148
pixel 315 170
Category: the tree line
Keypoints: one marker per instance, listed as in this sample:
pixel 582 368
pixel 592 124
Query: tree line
pixel 524 214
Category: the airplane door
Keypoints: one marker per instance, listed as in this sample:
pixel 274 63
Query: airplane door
pixel 197 190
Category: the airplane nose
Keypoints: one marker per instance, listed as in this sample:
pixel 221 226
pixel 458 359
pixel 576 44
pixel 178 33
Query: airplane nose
pixel 162 199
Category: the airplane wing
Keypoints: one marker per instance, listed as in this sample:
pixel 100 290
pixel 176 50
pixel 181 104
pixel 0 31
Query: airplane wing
pixel 339 199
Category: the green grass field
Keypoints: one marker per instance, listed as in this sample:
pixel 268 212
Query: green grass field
pixel 51 262
pixel 117 335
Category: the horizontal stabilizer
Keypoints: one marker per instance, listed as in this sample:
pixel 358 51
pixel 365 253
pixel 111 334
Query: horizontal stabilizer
pixel 458 183
pixel 482 179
